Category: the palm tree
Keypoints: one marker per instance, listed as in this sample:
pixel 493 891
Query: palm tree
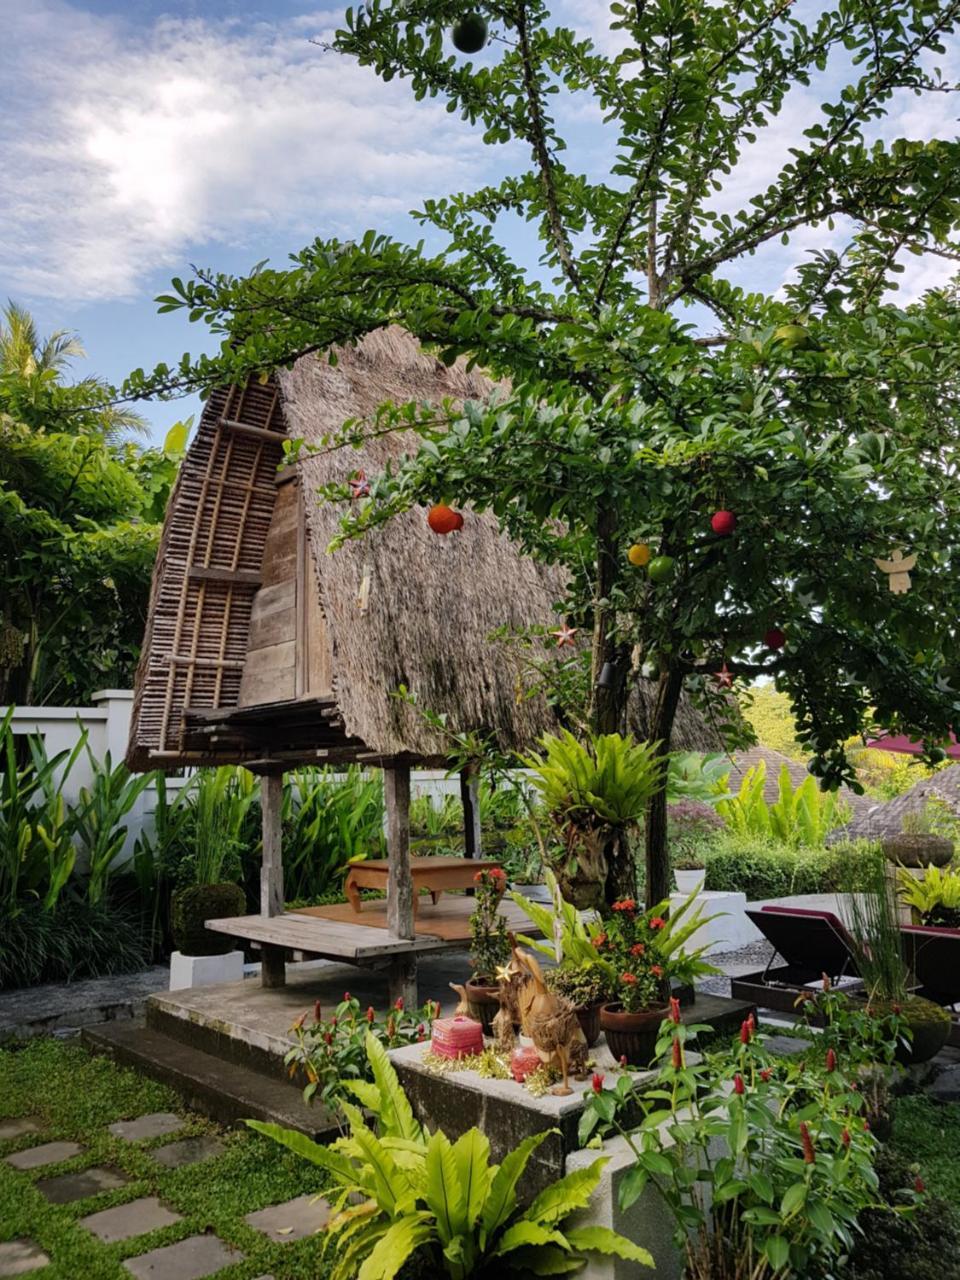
pixel 30 364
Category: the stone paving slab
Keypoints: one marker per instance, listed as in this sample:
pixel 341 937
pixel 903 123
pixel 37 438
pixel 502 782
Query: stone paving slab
pixel 17 1128
pixel 19 1257
pixel 155 1125
pixel 48 1153
pixel 188 1151
pixel 189 1259
pixel 65 1006
pixel 77 1186
pixel 127 1220
pixel 304 1216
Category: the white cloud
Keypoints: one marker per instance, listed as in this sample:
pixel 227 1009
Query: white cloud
pixel 130 147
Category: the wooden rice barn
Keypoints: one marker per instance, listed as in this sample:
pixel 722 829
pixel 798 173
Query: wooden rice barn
pixel 264 649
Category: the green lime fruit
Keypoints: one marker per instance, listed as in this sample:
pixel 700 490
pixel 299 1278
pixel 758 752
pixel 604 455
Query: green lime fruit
pixel 469 33
pixel 792 335
pixel 661 568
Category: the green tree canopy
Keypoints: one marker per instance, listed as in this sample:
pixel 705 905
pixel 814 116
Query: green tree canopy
pixel 824 419
pixel 78 533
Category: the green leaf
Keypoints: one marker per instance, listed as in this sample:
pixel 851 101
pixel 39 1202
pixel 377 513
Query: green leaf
pixel 502 1199
pixel 572 1191
pixel 395 1247
pixel 603 1240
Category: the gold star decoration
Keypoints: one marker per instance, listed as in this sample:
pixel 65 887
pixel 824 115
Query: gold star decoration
pixel 565 636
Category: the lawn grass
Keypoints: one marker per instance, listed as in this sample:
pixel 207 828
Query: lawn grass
pixel 928 1133
pixel 74 1096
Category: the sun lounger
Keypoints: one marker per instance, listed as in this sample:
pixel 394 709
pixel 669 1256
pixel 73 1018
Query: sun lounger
pixel 807 944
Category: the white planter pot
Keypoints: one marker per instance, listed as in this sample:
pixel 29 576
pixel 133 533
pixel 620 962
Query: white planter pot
pixel 204 971
pixel 688 881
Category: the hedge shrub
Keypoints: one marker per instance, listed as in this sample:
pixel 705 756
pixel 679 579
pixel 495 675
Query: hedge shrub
pixel 764 868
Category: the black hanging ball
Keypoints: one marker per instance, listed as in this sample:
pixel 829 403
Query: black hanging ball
pixel 469 33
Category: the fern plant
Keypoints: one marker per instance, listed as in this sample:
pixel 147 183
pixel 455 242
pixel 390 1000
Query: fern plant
pixel 802 815
pixel 594 792
pixel 442 1204
pixel 935 899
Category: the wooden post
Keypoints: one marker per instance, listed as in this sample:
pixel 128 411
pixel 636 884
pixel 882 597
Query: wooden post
pixel 400 922
pixel 470 799
pixel 273 970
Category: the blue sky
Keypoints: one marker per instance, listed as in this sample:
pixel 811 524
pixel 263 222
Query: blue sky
pixel 137 138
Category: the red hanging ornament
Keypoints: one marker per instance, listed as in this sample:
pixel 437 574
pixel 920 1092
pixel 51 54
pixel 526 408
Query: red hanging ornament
pixel 724 677
pixel 565 636
pixel 359 486
pixel 723 522
pixel 774 638
pixel 443 519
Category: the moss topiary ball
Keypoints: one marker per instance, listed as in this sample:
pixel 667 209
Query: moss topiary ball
pixel 191 907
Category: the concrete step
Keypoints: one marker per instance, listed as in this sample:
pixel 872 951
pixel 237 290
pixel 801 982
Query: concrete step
pixel 221 1090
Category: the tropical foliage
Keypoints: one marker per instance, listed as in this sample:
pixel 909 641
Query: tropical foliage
pixel 442 1205
pixel 801 815
pixel 935 898
pixel 79 502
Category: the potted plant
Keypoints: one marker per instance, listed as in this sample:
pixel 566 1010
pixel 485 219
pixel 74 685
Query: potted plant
pixel 688 871
pixel 875 930
pixel 489 947
pixel 919 844
pixel 933 900
pixel 208 875
pixel 587 987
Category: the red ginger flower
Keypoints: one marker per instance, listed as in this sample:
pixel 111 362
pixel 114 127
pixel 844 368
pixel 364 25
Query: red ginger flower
pixel 398 1004
pixel 327 1038
pixel 746 1031
pixel 831 1059
pixel 298 1022
pixel 674 1009
pixel 317 1011
pixel 919 1185
pixel 677 1053
pixel 346 996
pixel 597 1082
pixel 809 1155
pixel 623 1061
pixel 845 1137
pixel 370 1013
pixel 738 1086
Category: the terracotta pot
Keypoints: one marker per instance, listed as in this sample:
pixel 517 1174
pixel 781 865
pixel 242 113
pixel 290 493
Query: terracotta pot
pixel 589 1018
pixel 632 1035
pixel 483 1001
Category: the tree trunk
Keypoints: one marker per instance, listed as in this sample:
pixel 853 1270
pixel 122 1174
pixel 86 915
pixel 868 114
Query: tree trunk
pixel 607 700
pixel 661 726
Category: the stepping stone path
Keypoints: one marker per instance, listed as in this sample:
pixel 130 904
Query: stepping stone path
pixel 18 1257
pixel 127 1220
pixel 189 1259
pixel 156 1125
pixel 48 1153
pixel 77 1186
pixel 301 1217
pixel 17 1128
pixel 188 1151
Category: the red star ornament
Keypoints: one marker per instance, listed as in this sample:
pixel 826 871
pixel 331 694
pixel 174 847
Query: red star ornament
pixel 565 636
pixel 359 486
pixel 724 678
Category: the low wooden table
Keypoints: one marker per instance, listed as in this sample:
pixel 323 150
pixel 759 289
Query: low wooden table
pixel 432 874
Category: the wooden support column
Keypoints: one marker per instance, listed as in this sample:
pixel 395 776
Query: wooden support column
pixel 400 921
pixel 470 799
pixel 273 969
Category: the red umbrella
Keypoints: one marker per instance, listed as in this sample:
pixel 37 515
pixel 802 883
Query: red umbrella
pixel 909 746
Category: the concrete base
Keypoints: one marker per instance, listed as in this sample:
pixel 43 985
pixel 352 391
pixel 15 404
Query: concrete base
pixel 731 930
pixel 204 971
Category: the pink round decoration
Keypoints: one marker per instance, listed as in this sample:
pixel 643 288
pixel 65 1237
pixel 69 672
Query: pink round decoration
pixel 523 1062
pixel 456 1037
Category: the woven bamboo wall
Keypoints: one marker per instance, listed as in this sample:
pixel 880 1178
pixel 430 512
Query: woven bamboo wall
pixel 208 568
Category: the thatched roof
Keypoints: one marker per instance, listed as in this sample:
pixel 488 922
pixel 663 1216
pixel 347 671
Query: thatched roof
pixel 431 602
pixel 878 819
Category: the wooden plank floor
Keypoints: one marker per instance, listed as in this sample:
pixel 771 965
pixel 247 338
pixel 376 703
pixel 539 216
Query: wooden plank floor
pixel 449 919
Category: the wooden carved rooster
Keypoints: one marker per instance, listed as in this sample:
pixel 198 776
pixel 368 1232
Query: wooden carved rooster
pixel 550 1022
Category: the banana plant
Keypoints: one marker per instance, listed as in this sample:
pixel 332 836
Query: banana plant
pixel 443 1205
pixel 802 815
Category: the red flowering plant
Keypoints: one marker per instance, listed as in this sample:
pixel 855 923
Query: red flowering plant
pixel 330 1048
pixel 490 945
pixel 646 950
pixel 764 1163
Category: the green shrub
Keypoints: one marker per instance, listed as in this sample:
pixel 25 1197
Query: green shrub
pixel 762 867
pixel 802 815
pixel 200 902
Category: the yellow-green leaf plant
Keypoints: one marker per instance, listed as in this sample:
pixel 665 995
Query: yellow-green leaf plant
pixel 442 1204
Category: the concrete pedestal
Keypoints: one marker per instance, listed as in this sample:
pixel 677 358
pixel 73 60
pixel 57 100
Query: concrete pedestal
pixel 204 971
pixel 730 930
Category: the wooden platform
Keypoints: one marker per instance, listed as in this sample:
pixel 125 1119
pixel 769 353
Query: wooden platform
pixel 447 922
